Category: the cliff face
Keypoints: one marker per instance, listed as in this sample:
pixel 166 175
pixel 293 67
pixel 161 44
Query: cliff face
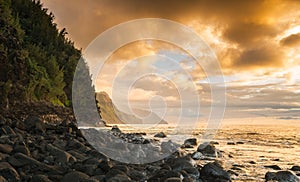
pixel 111 115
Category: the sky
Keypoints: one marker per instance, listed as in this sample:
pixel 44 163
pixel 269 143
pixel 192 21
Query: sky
pixel 256 44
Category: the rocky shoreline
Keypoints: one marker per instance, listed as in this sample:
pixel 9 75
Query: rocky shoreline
pixel 42 144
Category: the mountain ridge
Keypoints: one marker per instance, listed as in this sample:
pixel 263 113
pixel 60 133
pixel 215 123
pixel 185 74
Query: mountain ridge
pixel 112 115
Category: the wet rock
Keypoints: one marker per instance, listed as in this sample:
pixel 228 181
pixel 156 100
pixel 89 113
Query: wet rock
pixel 88 169
pixel 190 141
pixel 116 175
pixel 174 179
pixel 188 179
pixel 160 135
pixel 169 147
pixel 275 167
pixel 98 177
pixel 123 168
pixel 119 178
pixel 5 148
pixel 209 150
pixel 19 160
pixel 295 168
pixel 281 176
pixel 192 172
pixel 115 129
pixel 171 174
pixel 34 123
pixel 8 172
pixel 230 143
pixel 2 179
pixel 40 178
pixel 74 176
pixel 236 168
pixel 181 163
pixel 214 172
pixel 60 155
pixel 61 144
pixel 77 146
pixel 197 156
pixel 214 143
pixel 21 149
pixel 7 130
pixel 137 175
pixel 105 165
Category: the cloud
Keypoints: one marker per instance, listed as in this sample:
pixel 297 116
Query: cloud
pixel 247 24
pixel 291 40
pixel 260 57
pixel 258 38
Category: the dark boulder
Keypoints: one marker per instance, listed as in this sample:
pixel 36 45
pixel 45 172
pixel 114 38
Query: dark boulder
pixel 116 175
pixel 173 179
pixel 74 176
pixel 115 129
pixel 275 167
pixel 281 176
pixel 8 172
pixel 295 168
pixel 160 135
pixel 5 148
pixel 209 150
pixel 40 178
pixel 190 141
pixel 21 148
pixel 34 123
pixel 214 172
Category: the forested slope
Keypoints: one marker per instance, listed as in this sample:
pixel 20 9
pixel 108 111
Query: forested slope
pixel 37 60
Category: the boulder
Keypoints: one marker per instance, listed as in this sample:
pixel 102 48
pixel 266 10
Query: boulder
pixel 295 168
pixel 40 178
pixel 8 172
pixel 119 178
pixel 209 150
pixel 275 167
pixel 5 148
pixel 7 130
pixel 181 163
pixel 192 172
pixel 21 149
pixel 74 176
pixel 136 175
pixel 173 179
pixel 281 176
pixel 197 156
pixel 214 172
pixel 34 123
pixel 20 160
pixel 191 141
pixel 116 129
pixel 160 135
pixel 116 175
pixel 230 143
pixel 169 147
pixel 2 179
pixel 60 155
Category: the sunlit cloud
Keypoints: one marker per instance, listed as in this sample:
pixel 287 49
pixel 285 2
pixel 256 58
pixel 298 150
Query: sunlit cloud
pixel 257 44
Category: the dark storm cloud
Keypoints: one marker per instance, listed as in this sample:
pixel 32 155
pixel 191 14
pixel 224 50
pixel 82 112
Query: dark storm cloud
pixel 247 23
pixel 260 57
pixel 291 40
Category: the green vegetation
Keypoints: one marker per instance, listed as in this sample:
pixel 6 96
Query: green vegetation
pixel 37 61
pixel 112 115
